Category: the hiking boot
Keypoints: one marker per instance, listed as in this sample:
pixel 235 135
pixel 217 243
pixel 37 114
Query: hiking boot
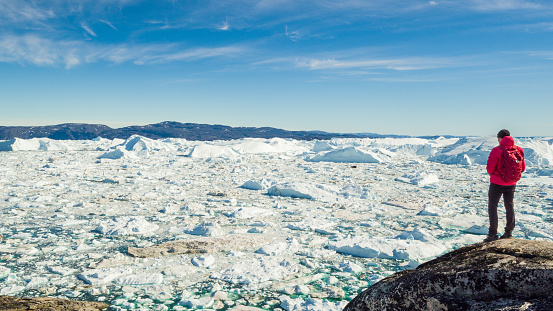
pixel 490 238
pixel 506 236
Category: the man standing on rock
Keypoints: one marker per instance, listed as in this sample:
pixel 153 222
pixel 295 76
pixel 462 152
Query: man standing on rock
pixel 505 165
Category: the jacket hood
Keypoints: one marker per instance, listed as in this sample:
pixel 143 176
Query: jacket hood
pixel 507 141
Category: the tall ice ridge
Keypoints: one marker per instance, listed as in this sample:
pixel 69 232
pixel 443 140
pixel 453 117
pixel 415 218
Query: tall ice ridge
pixel 247 224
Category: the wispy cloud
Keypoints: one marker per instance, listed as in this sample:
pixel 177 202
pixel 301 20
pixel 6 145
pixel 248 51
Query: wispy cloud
pixel 548 55
pixel 225 26
pixel 502 5
pixel 191 54
pixel 28 49
pixel 88 30
pixel 293 35
pixel 109 24
pixel 36 50
pixel 397 64
pixel 16 11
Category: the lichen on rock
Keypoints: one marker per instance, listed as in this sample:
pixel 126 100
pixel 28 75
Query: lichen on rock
pixel 509 274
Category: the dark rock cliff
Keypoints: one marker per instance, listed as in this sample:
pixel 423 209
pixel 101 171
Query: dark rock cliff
pixel 507 274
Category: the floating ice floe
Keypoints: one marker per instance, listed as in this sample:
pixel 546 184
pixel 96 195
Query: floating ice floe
pixel 312 224
pixel 319 192
pixel 348 155
pixel 205 229
pixel 4 271
pixel 420 179
pixel 104 275
pixel 203 261
pixel 249 212
pixel 140 279
pixel 348 266
pixel 408 246
pixel 431 210
pixel 305 191
pixel 298 304
pixel 263 184
pixel 278 248
pixel 463 221
pixel 126 225
pixel 61 270
pixel 256 270
pixel 212 151
pixel 117 153
pixel 36 281
pixel 197 303
pixel 316 252
pixel 476 229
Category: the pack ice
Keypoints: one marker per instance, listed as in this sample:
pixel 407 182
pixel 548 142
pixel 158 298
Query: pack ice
pixel 272 224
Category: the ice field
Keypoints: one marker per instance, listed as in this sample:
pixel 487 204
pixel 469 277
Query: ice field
pixel 272 224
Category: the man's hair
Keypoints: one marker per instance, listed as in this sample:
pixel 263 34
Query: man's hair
pixel 503 133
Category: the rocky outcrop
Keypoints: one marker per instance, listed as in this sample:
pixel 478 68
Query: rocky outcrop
pixel 509 274
pixel 8 303
pixel 200 245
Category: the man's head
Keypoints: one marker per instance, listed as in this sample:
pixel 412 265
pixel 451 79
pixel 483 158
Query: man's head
pixel 503 133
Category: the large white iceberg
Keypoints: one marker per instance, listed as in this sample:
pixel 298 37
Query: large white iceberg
pixel 305 191
pixel 33 144
pixel 348 155
pixel 212 151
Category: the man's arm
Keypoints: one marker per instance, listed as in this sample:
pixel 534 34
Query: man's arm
pixel 492 161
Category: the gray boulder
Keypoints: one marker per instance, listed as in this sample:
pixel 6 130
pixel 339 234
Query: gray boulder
pixel 509 274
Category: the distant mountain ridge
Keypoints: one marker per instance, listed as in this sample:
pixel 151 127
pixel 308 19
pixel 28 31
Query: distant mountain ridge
pixel 167 129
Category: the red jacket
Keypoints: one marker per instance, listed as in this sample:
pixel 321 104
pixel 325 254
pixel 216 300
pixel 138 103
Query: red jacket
pixel 494 160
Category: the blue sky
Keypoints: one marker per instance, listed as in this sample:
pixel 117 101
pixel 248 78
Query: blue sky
pixel 410 67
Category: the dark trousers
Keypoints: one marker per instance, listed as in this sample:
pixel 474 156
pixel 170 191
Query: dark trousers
pixel 494 194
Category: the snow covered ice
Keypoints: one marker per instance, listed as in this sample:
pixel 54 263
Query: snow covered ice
pixel 271 223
